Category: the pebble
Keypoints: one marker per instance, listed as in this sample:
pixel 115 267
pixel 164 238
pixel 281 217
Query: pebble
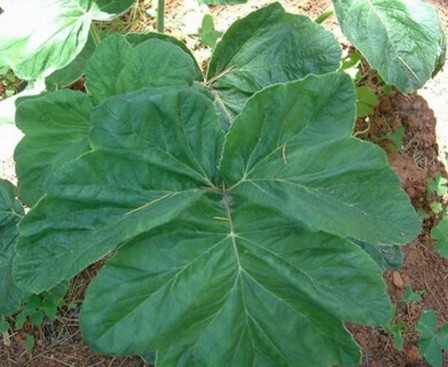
pixel 397 280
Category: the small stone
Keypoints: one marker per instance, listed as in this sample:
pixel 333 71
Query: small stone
pixel 397 280
pixel 413 355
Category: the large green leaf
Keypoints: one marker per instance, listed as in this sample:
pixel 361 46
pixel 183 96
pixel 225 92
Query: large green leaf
pixel 11 213
pixel 231 247
pixel 38 37
pixel 254 290
pixel 400 38
pixel 56 125
pixel 266 47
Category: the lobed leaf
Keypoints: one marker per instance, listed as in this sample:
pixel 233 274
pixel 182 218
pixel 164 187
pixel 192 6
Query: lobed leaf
pixel 402 39
pixel 233 245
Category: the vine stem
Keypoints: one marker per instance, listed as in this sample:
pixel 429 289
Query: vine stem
pixel 324 16
pixel 95 35
pixel 161 16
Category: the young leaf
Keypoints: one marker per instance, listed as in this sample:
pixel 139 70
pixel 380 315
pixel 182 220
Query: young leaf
pixel 21 318
pixel 247 252
pixel 11 213
pixel 4 325
pixel 436 207
pixel 399 38
pixel 438 186
pixel 432 340
pixel 366 102
pixel 268 46
pixel 38 37
pixel 410 295
pixel 207 34
pixel 29 341
pixel 440 234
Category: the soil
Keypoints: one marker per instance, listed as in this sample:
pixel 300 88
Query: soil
pixel 419 157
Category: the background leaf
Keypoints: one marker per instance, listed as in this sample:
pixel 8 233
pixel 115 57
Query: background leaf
pixel 73 71
pixel 268 46
pixel 400 38
pixel 51 33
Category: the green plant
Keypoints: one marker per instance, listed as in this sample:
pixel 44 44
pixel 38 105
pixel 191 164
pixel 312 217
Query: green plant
pixel 208 34
pixel 439 233
pixel 239 240
pixel 433 340
pixel 395 138
pixel 9 82
pixel 33 312
pixel 438 186
pixel 410 295
pixel 229 208
pixel 366 102
pixel 396 330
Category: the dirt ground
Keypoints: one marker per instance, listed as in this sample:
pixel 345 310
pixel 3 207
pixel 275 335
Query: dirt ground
pixel 423 115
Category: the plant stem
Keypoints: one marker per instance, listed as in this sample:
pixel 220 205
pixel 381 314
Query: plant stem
pixel 94 33
pixel 134 16
pixel 324 16
pixel 160 16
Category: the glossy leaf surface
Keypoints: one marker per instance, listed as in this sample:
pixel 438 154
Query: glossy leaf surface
pixel 233 245
pixel 11 213
pixel 402 39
